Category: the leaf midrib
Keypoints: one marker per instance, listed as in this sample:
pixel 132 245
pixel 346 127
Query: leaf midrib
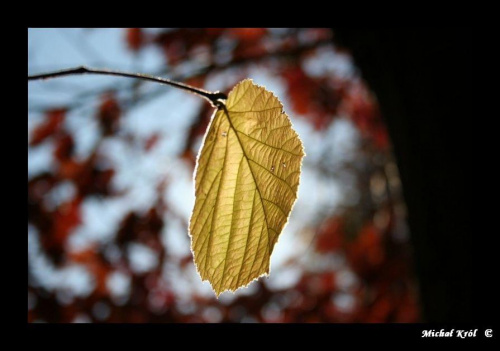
pixel 250 168
pixel 248 162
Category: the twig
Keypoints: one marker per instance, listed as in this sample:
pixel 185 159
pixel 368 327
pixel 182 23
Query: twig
pixel 211 69
pixel 206 70
pixel 215 98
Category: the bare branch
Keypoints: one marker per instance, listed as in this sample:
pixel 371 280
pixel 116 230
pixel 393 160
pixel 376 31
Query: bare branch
pixel 278 54
pixel 215 98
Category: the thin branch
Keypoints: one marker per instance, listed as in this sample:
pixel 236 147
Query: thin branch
pixel 278 54
pixel 215 98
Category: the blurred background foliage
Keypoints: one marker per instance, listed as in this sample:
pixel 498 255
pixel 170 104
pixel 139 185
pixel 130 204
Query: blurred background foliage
pixel 110 163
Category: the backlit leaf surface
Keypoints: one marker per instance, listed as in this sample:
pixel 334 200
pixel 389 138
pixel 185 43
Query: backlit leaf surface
pixel 246 182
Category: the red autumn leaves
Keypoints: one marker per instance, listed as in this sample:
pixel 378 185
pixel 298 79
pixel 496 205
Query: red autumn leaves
pixel 86 177
pixel 52 125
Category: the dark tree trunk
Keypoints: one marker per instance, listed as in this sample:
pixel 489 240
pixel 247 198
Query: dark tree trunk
pixel 429 85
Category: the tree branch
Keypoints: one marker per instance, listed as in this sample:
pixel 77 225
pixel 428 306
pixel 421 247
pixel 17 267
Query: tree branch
pixel 277 54
pixel 215 98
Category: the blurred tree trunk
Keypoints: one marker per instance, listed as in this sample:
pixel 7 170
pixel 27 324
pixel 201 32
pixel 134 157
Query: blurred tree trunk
pixel 428 83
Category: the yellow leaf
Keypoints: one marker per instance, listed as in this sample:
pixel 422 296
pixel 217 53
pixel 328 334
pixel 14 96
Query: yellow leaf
pixel 246 182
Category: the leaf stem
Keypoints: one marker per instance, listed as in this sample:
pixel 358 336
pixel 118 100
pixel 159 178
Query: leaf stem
pixel 215 98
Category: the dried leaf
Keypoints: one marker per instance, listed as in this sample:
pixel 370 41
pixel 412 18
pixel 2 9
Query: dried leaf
pixel 52 125
pixel 135 38
pixel 246 183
